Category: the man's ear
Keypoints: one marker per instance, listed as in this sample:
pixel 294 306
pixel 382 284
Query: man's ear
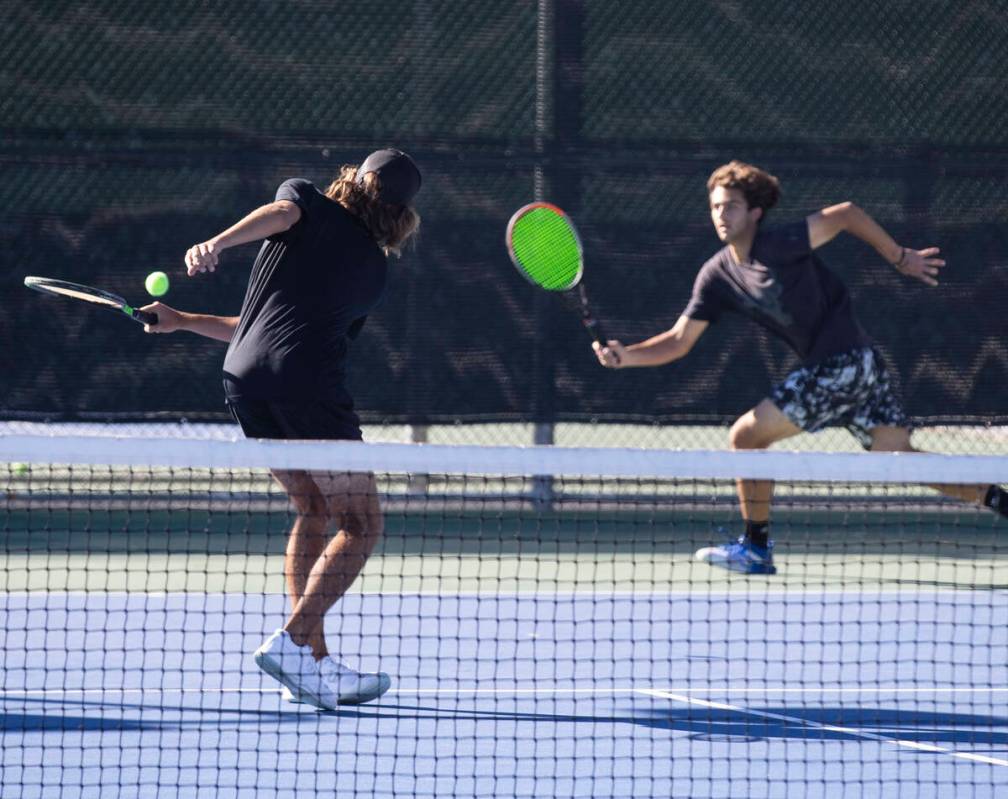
pixel 756 214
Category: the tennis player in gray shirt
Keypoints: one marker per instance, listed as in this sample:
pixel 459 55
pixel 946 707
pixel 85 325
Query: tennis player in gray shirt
pixel 773 276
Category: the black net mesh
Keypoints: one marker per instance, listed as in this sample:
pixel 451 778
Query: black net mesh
pixel 581 645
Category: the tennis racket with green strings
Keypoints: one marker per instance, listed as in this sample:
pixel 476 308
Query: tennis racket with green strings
pixel 545 248
pixel 77 291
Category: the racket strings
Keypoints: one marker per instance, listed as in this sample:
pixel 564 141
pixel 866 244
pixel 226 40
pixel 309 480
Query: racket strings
pixel 546 248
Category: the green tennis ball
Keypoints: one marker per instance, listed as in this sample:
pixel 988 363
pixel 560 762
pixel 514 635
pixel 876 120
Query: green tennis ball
pixel 156 283
pixel 19 469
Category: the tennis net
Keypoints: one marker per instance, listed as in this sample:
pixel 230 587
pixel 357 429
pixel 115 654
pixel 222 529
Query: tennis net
pixel 546 624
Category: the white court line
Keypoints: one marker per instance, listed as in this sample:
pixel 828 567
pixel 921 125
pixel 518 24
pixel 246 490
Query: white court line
pixel 720 689
pixel 555 691
pixel 853 732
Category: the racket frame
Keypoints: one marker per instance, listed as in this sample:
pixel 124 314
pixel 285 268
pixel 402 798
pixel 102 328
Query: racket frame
pixel 91 295
pixel 517 216
pixel 588 319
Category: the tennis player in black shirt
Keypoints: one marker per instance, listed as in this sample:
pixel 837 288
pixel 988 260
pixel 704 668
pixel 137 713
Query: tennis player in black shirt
pixel 321 269
pixel 773 276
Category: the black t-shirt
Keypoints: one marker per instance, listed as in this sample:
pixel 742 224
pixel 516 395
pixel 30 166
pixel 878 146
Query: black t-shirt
pixel 785 288
pixel 309 290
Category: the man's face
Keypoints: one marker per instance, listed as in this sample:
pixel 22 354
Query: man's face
pixel 732 218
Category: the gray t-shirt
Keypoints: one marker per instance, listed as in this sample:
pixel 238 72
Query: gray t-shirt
pixel 785 288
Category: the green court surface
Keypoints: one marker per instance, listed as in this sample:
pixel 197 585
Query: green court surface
pixel 158 529
pixel 501 550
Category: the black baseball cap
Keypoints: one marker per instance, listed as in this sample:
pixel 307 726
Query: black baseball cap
pixel 400 178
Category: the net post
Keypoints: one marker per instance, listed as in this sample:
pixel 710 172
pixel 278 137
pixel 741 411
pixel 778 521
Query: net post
pixel 543 106
pixel 542 484
pixel 543 432
pixel 417 483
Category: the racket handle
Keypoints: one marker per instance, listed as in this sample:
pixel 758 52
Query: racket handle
pixel 590 322
pixel 145 317
pixel 595 329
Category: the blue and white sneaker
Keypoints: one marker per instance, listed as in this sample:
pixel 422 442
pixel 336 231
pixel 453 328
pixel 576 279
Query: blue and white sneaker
pixel 740 556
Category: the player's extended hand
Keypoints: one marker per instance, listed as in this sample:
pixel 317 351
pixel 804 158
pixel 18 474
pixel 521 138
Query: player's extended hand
pixel 168 319
pixel 201 258
pixel 921 264
pixel 611 356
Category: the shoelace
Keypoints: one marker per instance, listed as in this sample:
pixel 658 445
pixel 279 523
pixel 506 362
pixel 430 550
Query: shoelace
pixel 333 670
pixel 723 534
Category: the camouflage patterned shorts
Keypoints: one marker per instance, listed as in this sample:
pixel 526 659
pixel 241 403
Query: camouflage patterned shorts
pixel 852 389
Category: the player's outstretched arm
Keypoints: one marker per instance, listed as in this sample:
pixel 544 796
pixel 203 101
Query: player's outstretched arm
pixel 263 222
pixel 170 320
pixel 847 217
pixel 664 348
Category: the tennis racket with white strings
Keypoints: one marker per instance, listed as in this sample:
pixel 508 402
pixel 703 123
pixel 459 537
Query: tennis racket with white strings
pixel 103 299
pixel 545 248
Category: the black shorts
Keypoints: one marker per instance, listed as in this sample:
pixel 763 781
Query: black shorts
pixel 852 389
pixel 296 419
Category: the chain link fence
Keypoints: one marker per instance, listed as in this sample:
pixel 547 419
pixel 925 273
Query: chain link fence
pixel 132 130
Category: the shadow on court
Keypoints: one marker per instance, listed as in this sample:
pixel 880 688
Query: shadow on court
pixel 38 714
pixel 810 724
pixel 909 725
pixel 723 724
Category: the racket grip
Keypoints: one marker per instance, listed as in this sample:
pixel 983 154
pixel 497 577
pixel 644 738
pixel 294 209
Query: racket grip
pixel 595 329
pixel 145 317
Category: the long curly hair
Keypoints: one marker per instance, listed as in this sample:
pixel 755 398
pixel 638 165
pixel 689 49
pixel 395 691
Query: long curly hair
pixel 392 226
pixel 760 188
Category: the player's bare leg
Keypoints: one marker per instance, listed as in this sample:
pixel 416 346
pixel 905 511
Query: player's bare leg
pixel 897 439
pixel 306 542
pixel 752 553
pixel 352 501
pixel 758 428
pixel 297 655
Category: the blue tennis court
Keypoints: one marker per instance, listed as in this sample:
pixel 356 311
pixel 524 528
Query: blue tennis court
pixel 762 693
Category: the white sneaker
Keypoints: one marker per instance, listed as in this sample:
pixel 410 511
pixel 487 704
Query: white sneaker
pixel 351 686
pixel 383 685
pixel 294 666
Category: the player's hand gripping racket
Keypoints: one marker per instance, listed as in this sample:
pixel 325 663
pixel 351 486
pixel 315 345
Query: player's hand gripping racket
pixel 76 291
pixel 545 248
